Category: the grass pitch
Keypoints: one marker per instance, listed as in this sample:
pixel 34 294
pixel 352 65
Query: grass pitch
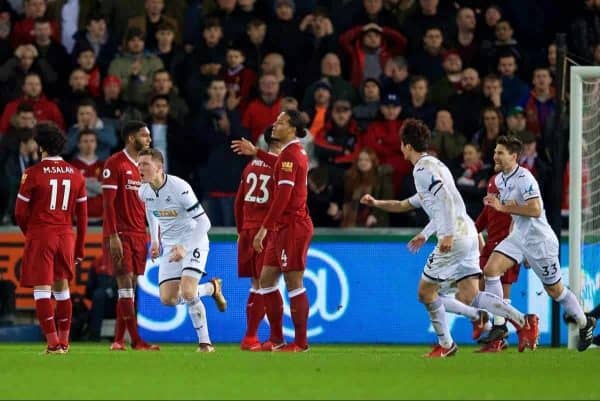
pixel 90 371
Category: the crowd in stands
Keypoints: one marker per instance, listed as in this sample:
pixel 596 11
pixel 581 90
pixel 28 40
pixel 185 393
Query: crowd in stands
pixel 204 72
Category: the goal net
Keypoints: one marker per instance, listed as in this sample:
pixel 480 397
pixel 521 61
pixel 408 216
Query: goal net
pixel 584 187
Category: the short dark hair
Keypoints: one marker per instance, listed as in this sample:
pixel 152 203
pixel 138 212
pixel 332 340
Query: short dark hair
pixel 165 26
pixel 87 131
pixel 297 121
pixel 131 127
pixel 255 22
pixel 87 102
pixel 158 97
pixel 416 78
pixel 42 20
pixel 50 138
pixel 212 22
pixel 155 154
pixel 511 143
pixel 416 134
pixel 268 135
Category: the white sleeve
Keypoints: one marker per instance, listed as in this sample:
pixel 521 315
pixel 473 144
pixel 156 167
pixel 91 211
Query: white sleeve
pixel 189 201
pixel 430 182
pixel 428 230
pixel 202 227
pixel 415 201
pixel 528 186
pixel 153 224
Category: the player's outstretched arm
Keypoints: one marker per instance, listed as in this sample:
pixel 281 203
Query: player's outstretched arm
pixel 531 208
pixel 393 206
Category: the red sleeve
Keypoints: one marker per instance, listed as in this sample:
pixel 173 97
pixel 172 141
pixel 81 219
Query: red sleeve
pixel 284 177
pixel 23 200
pixel 57 116
pixel 267 157
pixel 109 194
pixel 82 220
pixel 482 220
pixel 323 143
pixel 347 39
pixel 396 42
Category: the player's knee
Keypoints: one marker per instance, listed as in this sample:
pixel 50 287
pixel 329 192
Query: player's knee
pixel 168 300
pixel 189 293
pixel 466 297
pixel 425 297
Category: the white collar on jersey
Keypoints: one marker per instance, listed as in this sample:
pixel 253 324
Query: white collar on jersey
pixel 129 157
pixel 52 158
pixel 506 177
pixel 289 143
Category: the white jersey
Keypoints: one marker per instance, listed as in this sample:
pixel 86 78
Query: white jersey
pixel 174 207
pixel 438 196
pixel 520 186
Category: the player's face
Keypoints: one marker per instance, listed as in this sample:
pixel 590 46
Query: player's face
pixel 503 159
pixel 141 139
pixel 149 169
pixel 405 150
pixel 282 128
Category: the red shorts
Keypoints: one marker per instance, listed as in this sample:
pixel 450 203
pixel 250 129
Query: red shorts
pixel 289 246
pixel 250 262
pixel 510 276
pixel 135 249
pixel 48 259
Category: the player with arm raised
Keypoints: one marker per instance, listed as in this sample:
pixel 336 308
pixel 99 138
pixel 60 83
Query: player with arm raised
pixel 456 256
pixel 124 229
pixel 288 218
pixel 252 203
pixel 178 224
pixel 531 238
pixel 51 192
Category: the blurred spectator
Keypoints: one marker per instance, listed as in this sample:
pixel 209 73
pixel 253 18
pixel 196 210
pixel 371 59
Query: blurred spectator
pixel 44 109
pixel 513 88
pixel 331 72
pixel 368 47
pixel 149 21
pixel 466 42
pixel 162 84
pixel 366 176
pixel 505 43
pixel 253 44
pixel 383 137
pixel 427 61
pixel 274 64
pixel 450 84
pixel 170 53
pixel 111 104
pixel 516 123
pixel 540 103
pixel 584 32
pixel 487 29
pixel 86 60
pixel 100 39
pixel 324 202
pixel 492 91
pixel 70 16
pixel 446 142
pixel 318 113
pixel 169 137
pixel 530 160
pixel 135 68
pixel 419 107
pixel 403 10
pixel 428 15
pixel 8 302
pixel 372 11
pixel 368 108
pixel 23 30
pixel 50 50
pixel 485 138
pixel 262 111
pixel 470 99
pixel 318 41
pixel 86 160
pixel 395 79
pixel 240 80
pixel 551 53
pixel 5 27
pixel 87 119
pixel 101 289
pixel 232 20
pixel 14 162
pixel 596 55
pixel 471 179
pixel 76 91
pixel 14 71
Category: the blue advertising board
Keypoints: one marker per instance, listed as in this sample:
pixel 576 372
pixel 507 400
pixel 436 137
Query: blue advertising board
pixel 359 292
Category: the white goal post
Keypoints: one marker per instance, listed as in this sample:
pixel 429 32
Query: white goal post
pixel 584 143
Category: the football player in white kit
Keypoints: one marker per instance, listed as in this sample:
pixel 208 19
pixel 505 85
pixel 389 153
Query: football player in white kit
pixel 455 259
pixel 178 224
pixel 531 237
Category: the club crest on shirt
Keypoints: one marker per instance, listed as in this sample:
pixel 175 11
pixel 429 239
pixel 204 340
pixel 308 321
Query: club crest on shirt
pixel 287 166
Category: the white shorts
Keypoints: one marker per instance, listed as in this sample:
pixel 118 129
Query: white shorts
pixel 541 255
pixel 448 268
pixel 193 264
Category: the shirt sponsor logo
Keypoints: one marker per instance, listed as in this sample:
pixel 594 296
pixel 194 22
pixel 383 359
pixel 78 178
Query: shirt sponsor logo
pixel 287 166
pixel 164 213
pixel 133 184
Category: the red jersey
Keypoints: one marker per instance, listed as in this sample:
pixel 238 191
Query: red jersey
pixel 50 189
pixel 290 177
pixel 123 208
pixel 496 223
pixel 92 172
pixel 254 195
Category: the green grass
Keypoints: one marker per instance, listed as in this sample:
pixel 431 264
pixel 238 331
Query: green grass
pixel 325 372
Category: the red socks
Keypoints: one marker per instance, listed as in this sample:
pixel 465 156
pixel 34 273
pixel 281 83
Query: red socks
pixel 126 318
pixel 299 309
pixel 64 311
pixel 274 309
pixel 255 312
pixel 45 315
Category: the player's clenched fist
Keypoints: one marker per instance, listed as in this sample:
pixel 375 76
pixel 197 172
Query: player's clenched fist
pixel 154 250
pixel 177 253
pixel 367 199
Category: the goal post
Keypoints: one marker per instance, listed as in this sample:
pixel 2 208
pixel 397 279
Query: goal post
pixel 584 193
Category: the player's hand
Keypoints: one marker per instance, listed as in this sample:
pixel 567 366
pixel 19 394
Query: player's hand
pixel 154 250
pixel 177 253
pixel 257 243
pixel 445 244
pixel 116 248
pixel 416 243
pixel 243 147
pixel 367 199
pixel 481 242
pixel 371 221
pixel 492 201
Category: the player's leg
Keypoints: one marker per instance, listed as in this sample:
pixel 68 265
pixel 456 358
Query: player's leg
pixel 468 286
pixel 428 296
pixel 294 282
pixel 273 304
pixel 63 274
pixel 255 312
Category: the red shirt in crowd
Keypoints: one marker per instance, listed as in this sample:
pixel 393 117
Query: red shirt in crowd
pixel 91 171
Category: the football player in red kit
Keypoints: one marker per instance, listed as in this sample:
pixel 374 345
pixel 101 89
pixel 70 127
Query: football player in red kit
pixel 497 225
pixel 290 221
pixel 124 229
pixel 51 192
pixel 252 203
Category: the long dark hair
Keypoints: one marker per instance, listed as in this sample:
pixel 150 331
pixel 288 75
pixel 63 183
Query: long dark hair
pixel 356 178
